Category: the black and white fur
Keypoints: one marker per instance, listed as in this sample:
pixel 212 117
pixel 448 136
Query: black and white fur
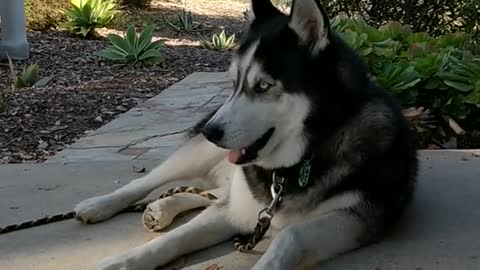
pixel 299 93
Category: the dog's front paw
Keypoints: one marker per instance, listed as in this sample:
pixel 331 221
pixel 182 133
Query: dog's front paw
pixel 133 260
pixel 99 208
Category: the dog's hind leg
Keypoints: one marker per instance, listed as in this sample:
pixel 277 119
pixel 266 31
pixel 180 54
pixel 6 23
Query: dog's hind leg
pixel 209 228
pixel 195 158
pixel 160 213
pixel 303 245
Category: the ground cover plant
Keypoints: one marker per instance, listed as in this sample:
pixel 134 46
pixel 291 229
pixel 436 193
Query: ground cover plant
pixel 438 73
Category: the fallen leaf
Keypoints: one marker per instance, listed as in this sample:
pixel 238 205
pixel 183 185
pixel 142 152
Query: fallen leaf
pixel 43 81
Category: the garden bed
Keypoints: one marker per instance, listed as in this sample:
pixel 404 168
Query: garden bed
pixel 82 93
pixel 85 93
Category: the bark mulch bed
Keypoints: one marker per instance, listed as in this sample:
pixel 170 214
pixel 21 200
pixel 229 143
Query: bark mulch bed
pixel 84 93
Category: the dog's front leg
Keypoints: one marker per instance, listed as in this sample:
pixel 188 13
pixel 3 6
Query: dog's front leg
pixel 194 159
pixel 207 229
pixel 308 243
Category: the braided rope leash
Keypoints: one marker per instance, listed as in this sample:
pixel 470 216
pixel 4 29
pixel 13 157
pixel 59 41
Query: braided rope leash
pixel 133 208
pixel 36 222
pixel 246 243
pixel 140 207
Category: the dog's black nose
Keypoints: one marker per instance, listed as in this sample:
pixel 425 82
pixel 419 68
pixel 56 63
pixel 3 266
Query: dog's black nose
pixel 213 133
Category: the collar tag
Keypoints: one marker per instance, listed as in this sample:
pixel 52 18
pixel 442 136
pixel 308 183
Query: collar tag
pixel 304 174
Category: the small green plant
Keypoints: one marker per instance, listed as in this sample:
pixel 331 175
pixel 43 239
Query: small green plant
pixel 220 42
pixel 184 22
pixel 84 16
pixel 3 103
pixel 133 47
pixel 27 78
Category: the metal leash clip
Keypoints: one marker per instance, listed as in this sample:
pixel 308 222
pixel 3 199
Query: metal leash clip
pixel 276 190
pixel 264 217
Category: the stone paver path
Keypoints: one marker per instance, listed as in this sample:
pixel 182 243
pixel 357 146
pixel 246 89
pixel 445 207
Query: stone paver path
pixel 154 128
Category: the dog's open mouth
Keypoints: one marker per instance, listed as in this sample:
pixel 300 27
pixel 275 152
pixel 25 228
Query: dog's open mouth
pixel 249 153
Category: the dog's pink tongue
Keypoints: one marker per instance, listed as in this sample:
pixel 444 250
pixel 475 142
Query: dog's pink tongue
pixel 234 155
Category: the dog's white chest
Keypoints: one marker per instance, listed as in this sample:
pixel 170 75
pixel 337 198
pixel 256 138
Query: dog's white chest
pixel 243 207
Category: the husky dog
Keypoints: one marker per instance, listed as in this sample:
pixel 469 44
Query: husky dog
pixel 299 95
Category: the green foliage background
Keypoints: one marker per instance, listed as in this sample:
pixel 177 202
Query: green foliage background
pixel 440 73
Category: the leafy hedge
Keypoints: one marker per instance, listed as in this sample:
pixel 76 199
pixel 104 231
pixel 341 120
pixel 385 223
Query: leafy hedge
pixel 438 73
pixel 435 17
pixel 432 16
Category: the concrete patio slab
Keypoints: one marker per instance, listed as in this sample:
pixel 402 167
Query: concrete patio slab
pixel 34 190
pixel 440 231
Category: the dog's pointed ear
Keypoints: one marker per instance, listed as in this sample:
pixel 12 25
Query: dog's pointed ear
pixel 261 10
pixel 310 22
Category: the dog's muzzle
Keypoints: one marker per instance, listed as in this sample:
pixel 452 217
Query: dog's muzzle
pixel 213 133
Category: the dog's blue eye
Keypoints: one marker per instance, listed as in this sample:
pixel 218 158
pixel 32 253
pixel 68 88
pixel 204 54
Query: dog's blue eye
pixel 262 86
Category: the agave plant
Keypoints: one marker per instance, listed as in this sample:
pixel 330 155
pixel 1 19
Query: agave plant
pixel 420 119
pixel 185 22
pixel 27 78
pixel 220 42
pixel 85 15
pixel 133 47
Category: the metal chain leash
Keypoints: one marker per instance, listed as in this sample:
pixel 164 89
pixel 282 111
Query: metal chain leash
pixel 265 216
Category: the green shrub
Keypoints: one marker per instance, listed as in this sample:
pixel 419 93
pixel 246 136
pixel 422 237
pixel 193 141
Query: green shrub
pixel 85 15
pixel 432 16
pixel 42 15
pixel 220 42
pixel 133 47
pixel 435 17
pixel 437 73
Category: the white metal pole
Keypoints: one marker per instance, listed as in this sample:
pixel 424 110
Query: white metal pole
pixel 13 36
